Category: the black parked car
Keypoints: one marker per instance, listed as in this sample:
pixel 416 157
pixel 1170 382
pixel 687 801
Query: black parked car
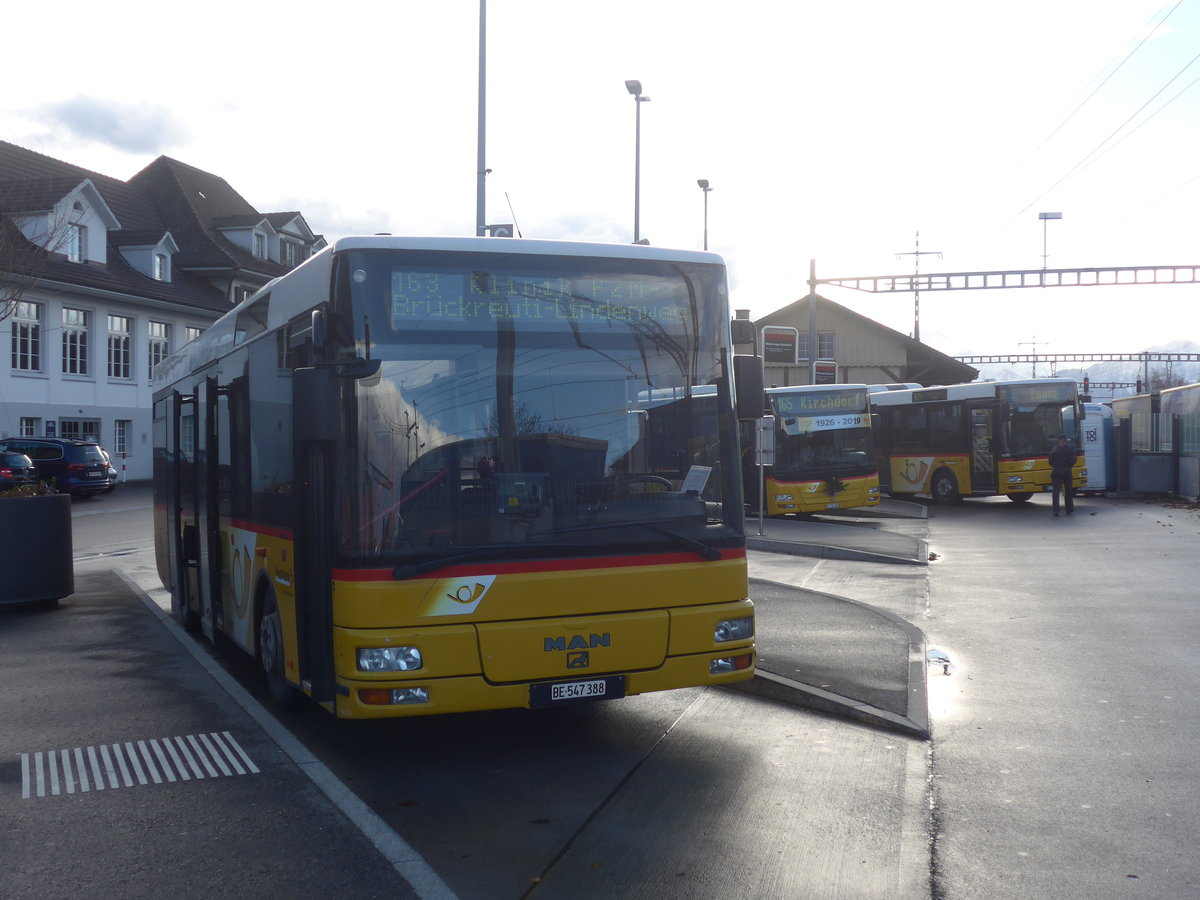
pixel 16 469
pixel 73 467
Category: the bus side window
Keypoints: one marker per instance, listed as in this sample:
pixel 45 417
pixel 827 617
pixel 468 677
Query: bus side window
pixel 910 429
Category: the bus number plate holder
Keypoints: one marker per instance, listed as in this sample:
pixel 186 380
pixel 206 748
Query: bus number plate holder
pixel 552 693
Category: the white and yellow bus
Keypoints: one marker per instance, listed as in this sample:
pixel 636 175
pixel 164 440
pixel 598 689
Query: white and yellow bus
pixel 974 440
pixel 817 450
pixel 417 476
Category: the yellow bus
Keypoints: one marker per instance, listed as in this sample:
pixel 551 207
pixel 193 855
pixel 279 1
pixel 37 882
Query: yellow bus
pixel 816 450
pixel 974 440
pixel 415 476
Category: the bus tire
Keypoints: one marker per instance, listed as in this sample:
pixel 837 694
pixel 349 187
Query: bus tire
pixel 270 654
pixel 944 488
pixel 1019 498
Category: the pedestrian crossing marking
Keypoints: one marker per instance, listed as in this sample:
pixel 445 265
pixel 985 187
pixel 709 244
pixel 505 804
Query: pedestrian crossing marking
pixel 60 772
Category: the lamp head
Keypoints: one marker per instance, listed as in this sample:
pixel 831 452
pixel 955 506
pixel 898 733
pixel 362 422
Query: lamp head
pixel 634 87
pixel 703 182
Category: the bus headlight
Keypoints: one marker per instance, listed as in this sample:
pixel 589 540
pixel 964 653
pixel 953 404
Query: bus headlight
pixel 389 659
pixel 734 629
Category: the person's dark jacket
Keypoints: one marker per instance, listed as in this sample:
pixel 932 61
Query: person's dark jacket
pixel 1062 459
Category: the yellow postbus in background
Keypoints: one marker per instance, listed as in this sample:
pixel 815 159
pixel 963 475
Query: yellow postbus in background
pixel 974 440
pixel 816 450
pixel 417 476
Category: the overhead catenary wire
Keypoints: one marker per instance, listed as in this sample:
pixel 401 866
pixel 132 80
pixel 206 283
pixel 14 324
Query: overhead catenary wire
pixel 1105 81
pixel 1079 166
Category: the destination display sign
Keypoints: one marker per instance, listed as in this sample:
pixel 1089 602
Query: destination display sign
pixel 462 296
pixel 813 402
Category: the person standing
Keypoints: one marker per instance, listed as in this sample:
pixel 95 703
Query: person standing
pixel 1062 462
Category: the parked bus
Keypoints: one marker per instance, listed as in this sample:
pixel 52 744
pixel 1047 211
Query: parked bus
pixel 817 453
pixel 975 440
pixel 412 476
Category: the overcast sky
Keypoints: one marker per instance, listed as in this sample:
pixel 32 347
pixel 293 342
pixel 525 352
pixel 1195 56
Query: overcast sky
pixel 829 131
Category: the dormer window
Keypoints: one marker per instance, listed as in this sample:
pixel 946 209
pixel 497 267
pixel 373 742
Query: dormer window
pixel 76 242
pixel 260 245
pixel 161 269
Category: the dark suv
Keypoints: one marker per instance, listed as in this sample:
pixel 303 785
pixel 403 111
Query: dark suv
pixel 73 467
pixel 16 469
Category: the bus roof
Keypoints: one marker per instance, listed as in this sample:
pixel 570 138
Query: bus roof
pixel 972 390
pixel 522 246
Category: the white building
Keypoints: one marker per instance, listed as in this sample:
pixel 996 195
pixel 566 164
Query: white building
pixel 100 279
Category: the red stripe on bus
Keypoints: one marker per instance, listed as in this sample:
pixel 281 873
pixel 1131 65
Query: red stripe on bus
pixel 534 566
pixel 265 530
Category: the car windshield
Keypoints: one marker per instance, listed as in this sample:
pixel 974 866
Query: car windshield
pixel 523 408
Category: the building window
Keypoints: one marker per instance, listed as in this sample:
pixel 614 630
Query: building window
pixel 290 253
pixel 121 429
pixel 76 242
pixel 240 293
pixel 160 267
pixel 79 429
pixel 191 332
pixel 160 344
pixel 825 345
pixel 30 426
pixel 120 347
pixel 802 345
pixel 75 341
pixel 260 245
pixel 27 337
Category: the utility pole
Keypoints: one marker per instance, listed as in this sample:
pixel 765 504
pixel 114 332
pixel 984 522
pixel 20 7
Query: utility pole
pixel 916 255
pixel 1035 343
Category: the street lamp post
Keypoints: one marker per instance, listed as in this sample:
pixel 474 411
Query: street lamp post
pixel 635 88
pixel 703 182
pixel 1046 217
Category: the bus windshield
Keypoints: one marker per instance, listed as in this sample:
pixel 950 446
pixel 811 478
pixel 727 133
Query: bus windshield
pixel 821 433
pixel 509 413
pixel 1036 416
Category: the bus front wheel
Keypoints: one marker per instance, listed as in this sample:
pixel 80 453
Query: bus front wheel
pixel 944 488
pixel 270 654
pixel 1019 498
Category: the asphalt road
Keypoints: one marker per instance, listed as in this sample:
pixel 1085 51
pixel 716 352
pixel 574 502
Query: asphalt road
pixel 1064 724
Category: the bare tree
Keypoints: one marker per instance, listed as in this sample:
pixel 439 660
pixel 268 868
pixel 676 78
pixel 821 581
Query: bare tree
pixel 22 259
pixel 1161 379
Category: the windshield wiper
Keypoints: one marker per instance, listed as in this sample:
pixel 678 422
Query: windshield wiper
pixel 412 570
pixel 701 548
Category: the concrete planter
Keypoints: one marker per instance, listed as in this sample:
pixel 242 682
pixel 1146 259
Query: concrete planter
pixel 35 549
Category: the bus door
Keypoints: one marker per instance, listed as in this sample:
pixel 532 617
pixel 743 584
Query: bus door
pixel 983 456
pixel 179 442
pixel 207 516
pixel 316 422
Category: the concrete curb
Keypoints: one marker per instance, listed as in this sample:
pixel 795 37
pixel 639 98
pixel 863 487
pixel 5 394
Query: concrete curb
pixel 825 551
pixel 785 690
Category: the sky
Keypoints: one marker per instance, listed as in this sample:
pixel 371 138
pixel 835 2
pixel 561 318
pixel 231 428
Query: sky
pixel 830 132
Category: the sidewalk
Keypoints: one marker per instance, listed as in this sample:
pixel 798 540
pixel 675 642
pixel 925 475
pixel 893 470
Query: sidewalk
pixel 843 656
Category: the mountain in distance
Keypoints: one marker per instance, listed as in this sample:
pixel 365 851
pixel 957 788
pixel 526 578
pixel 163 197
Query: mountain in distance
pixel 1107 372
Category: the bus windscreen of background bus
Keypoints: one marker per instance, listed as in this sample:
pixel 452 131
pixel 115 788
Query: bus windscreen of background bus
pixel 821 453
pixel 464 503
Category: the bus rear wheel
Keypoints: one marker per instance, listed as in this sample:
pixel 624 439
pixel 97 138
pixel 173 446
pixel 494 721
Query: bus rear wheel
pixel 944 488
pixel 270 654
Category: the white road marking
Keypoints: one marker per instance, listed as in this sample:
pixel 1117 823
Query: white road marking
pixel 149 761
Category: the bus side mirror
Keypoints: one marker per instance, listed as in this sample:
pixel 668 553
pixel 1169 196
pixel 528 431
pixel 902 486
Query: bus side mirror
pixel 318 334
pixel 317 402
pixel 748 382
